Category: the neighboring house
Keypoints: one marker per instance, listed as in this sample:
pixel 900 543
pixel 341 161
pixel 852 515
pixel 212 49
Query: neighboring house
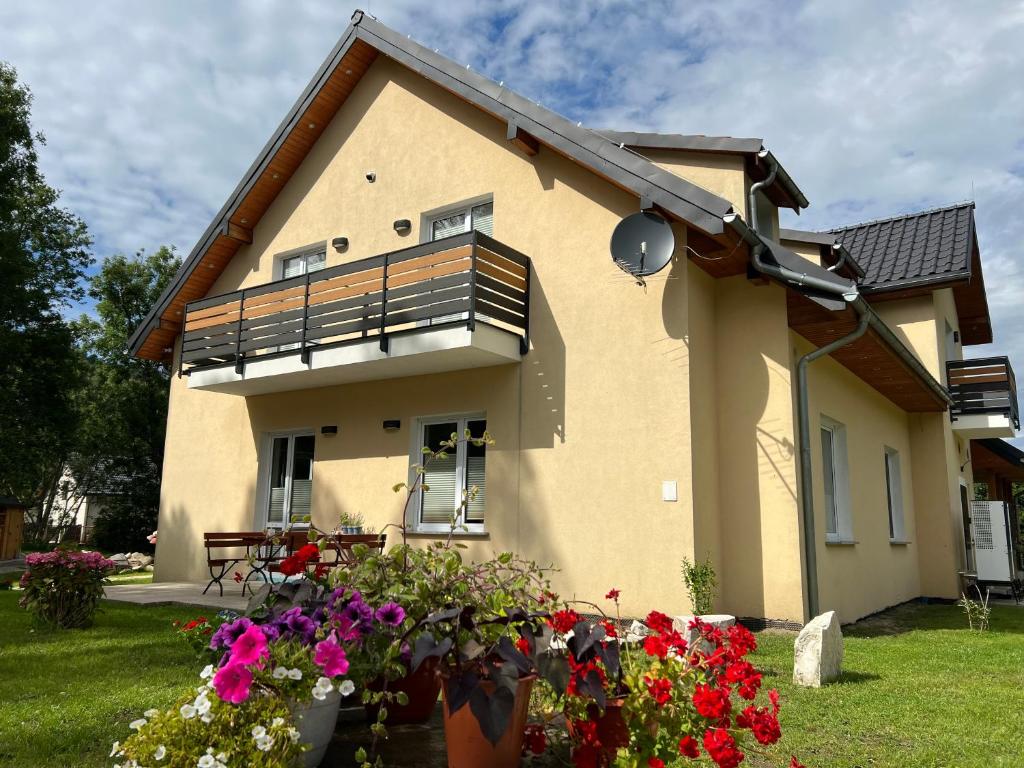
pixel 76 502
pixel 418 250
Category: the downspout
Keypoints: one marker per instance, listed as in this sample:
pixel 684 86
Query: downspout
pixel 841 260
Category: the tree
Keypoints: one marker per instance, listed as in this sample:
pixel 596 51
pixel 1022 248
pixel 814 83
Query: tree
pixel 44 252
pixel 123 410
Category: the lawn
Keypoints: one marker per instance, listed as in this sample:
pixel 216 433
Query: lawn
pixel 919 689
pixel 65 697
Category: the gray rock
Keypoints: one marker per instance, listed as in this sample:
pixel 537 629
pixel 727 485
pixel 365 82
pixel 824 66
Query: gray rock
pixel 681 624
pixel 818 652
pixel 148 568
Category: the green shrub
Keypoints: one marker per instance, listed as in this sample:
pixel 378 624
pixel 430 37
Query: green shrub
pixel 700 582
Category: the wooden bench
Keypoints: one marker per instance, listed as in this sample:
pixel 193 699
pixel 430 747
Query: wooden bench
pixel 222 553
pixel 342 543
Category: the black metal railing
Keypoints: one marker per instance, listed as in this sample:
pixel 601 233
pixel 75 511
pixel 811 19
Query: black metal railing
pixel 464 279
pixel 981 386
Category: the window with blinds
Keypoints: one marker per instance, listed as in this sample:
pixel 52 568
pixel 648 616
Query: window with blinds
pixel 454 487
pixel 835 476
pixel 290 481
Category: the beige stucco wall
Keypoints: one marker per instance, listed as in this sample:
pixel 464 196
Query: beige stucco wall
pixel 868 572
pixel 588 426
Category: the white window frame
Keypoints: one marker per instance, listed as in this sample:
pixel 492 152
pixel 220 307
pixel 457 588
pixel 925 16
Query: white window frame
pixel 264 468
pixel 427 218
pixel 416 457
pixel 840 484
pixel 304 252
pixel 894 495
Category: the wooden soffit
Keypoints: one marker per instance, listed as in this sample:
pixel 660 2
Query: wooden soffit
pixel 985 461
pixel 869 358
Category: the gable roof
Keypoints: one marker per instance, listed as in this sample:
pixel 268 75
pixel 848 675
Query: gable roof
pixel 933 245
pixel 361 43
pixel 828 241
pixel 936 248
pixel 784 193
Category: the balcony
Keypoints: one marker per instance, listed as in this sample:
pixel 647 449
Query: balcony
pixel 984 397
pixel 454 304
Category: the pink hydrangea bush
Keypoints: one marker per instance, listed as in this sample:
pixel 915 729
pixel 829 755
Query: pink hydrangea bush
pixel 63 588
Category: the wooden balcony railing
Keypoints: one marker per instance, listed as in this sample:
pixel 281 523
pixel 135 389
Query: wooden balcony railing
pixel 459 280
pixel 983 386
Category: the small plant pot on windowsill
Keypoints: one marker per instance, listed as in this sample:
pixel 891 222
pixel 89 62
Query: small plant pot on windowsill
pixel 466 743
pixel 352 530
pixel 612 730
pixel 316 721
pixel 422 688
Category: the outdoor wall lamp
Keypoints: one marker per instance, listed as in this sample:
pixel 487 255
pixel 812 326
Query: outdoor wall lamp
pixel 329 431
pixel 402 226
pixel 339 243
pixel 392 425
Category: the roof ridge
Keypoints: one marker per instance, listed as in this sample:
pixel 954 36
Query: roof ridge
pixel 926 212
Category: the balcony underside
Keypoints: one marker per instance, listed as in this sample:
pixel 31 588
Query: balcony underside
pixel 431 349
pixel 981 425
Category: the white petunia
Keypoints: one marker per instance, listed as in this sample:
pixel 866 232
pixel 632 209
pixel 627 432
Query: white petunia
pixel 264 743
pixel 207 717
pixel 187 711
pixel 116 749
pixel 160 753
pixel 347 688
pixel 319 694
pixel 207 672
pixel 277 722
pixel 295 674
pixel 137 724
pixel 202 704
pixel 293 734
pixel 325 684
pixel 279 673
pixel 258 730
pixel 206 761
pixel 151 713
pixel 222 756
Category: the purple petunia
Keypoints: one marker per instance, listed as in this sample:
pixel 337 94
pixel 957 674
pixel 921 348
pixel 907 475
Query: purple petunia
pixel 295 624
pixel 227 633
pixel 359 613
pixel 390 614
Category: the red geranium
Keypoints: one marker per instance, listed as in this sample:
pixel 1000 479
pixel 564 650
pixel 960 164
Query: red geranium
pixel 655 762
pixel 655 645
pixel 659 622
pixel 613 594
pixel 660 689
pixel 564 621
pixel 721 748
pixel 712 703
pixel 761 722
pixel 741 640
pixel 536 741
pixel 688 747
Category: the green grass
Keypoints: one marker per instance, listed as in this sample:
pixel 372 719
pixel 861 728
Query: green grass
pixel 129 577
pixel 918 690
pixel 66 696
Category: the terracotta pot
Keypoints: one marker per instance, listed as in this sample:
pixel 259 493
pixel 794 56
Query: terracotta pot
pixel 612 730
pixel 469 748
pixel 422 688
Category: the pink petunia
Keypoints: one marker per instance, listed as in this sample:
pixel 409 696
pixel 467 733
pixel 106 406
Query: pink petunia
pixel 250 647
pixel 231 682
pixel 331 657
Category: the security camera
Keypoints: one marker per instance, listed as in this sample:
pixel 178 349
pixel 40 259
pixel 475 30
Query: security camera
pixel 371 176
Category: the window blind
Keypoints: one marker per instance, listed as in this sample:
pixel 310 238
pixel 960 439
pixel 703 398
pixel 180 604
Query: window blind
pixel 483 218
pixel 829 477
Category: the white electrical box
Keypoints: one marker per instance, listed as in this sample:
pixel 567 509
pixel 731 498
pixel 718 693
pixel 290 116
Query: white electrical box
pixel 669 490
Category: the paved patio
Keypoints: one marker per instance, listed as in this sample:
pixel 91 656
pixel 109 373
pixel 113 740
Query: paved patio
pixel 177 593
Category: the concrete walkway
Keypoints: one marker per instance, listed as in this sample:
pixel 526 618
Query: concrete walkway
pixel 177 593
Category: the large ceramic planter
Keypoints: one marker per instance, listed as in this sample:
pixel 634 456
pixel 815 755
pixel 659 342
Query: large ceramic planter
pixel 316 722
pixel 469 748
pixel 422 688
pixel 612 730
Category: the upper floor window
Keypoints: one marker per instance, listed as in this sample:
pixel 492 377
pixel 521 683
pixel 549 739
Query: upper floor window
pixel 293 266
pixel 836 478
pixel 454 222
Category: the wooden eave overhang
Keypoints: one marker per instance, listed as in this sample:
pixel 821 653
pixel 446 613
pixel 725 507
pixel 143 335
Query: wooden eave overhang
pixel 530 126
pixel 990 458
pixel 870 357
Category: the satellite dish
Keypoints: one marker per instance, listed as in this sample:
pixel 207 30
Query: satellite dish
pixel 642 244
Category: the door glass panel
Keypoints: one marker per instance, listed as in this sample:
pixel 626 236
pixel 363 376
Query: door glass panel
pixel 278 473
pixel 483 218
pixel 439 499
pixel 446 226
pixel 302 478
pixel 475 475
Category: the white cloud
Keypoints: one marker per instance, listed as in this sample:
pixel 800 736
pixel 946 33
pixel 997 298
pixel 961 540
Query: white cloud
pixel 154 110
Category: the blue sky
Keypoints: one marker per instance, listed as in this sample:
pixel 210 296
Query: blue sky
pixel 153 110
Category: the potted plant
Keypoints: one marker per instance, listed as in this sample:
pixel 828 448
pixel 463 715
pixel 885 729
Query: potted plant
pixel 647 701
pixel 350 523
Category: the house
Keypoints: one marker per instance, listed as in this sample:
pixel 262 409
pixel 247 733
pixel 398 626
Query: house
pixel 419 250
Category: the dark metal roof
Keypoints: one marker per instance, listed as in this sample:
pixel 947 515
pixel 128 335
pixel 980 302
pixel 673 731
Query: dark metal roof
pixel 663 188
pixel 932 246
